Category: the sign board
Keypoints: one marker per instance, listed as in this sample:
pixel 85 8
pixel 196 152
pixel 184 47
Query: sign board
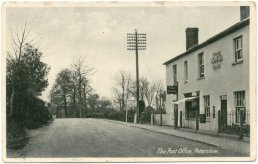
pixel 172 89
pixel 216 60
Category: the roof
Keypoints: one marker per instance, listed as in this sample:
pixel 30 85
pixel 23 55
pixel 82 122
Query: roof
pixel 220 35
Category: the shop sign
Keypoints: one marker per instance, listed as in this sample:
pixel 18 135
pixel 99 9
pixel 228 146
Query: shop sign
pixel 172 89
pixel 216 60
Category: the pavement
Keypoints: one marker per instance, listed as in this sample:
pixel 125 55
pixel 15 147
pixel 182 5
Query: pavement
pixel 222 141
pixel 75 137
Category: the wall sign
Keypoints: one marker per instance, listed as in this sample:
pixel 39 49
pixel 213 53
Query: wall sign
pixel 172 89
pixel 216 60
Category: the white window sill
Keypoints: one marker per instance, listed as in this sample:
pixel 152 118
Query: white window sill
pixel 200 78
pixel 237 62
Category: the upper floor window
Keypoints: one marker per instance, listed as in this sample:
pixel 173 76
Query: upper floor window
pixel 185 71
pixel 238 49
pixel 201 65
pixel 175 74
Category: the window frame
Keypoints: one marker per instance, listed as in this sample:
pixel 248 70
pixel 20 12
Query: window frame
pixel 238 51
pixel 239 102
pixel 201 70
pixel 174 69
pixel 185 71
pixel 207 107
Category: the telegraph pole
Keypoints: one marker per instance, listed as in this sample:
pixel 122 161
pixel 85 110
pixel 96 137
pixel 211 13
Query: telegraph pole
pixel 135 42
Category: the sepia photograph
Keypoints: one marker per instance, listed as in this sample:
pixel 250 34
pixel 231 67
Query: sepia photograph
pixel 128 81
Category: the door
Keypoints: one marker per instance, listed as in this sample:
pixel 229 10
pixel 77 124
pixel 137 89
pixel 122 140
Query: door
pixel 176 116
pixel 223 112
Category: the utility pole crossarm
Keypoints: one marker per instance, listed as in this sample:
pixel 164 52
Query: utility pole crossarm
pixel 132 38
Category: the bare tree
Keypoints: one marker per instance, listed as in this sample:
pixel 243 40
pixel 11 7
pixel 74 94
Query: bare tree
pixel 80 75
pixel 143 83
pixel 117 97
pixel 123 85
pixel 159 89
pixel 87 89
pixel 150 92
pixel 18 41
pixel 20 37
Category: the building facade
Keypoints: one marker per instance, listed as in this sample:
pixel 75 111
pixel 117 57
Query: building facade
pixel 212 79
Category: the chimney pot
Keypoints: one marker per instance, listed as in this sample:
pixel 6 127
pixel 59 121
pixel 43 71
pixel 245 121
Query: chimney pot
pixel 191 37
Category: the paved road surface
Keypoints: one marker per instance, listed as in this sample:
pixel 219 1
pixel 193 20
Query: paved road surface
pixel 102 138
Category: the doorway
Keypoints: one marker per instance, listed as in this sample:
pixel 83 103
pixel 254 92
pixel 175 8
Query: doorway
pixel 223 105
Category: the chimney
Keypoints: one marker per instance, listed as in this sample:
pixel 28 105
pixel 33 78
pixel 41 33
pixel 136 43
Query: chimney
pixel 191 37
pixel 244 12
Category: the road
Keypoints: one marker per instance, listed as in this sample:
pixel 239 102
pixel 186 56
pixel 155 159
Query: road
pixel 103 138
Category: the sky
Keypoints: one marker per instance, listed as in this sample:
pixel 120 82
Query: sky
pixel 98 34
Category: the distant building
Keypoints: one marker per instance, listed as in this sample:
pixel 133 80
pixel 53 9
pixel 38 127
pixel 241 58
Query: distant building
pixel 211 76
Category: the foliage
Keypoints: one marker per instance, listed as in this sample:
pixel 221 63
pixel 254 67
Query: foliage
pixel 72 92
pixel 29 81
pixel 26 78
pixel 235 129
pixel 62 89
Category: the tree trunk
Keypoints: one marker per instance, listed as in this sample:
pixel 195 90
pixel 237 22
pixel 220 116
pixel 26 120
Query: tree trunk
pixel 80 98
pixel 65 106
pixel 84 100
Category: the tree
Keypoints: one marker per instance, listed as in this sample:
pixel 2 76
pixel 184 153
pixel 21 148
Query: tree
pixel 81 73
pixel 143 83
pixel 93 101
pixel 26 78
pixel 122 89
pixel 19 39
pixel 150 93
pixel 62 89
pixel 104 103
pixel 160 99
pixel 29 80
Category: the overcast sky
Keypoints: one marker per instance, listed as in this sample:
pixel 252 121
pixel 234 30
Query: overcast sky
pixel 99 35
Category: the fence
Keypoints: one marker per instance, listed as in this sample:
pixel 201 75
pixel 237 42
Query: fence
pixel 234 122
pixel 218 122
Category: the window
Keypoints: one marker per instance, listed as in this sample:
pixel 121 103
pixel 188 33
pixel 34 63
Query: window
pixel 201 65
pixel 192 108
pixel 239 104
pixel 238 49
pixel 186 71
pixel 207 106
pixel 175 74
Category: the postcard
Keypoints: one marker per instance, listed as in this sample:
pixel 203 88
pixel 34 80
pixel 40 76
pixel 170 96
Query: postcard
pixel 129 81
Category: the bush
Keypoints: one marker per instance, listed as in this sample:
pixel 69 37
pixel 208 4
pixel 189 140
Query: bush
pixel 38 114
pixel 96 115
pixel 235 129
pixel 117 115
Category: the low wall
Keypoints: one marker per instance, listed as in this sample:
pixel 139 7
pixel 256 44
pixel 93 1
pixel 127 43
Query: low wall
pixel 210 126
pixel 167 119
